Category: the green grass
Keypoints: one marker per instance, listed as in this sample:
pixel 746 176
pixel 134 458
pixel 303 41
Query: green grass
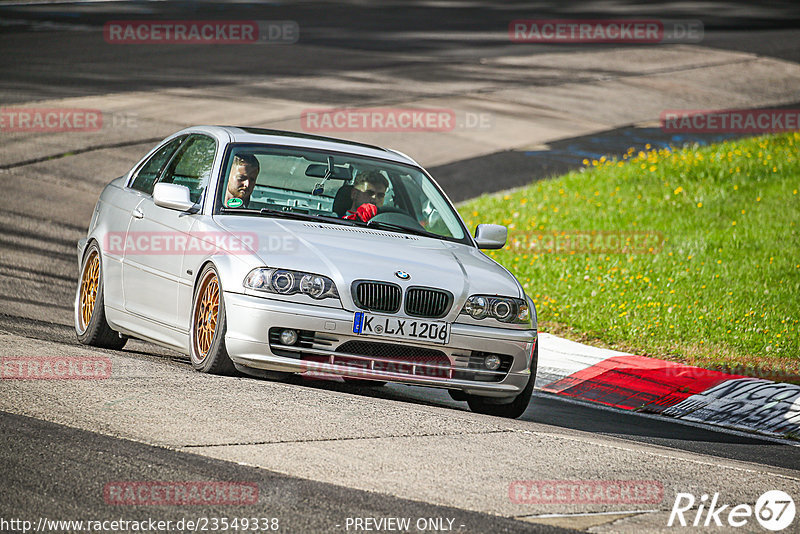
pixel 722 290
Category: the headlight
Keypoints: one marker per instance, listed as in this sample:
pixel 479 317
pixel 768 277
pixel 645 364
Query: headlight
pixel 532 313
pixel 313 285
pixel 504 309
pixel 286 282
pixel 477 307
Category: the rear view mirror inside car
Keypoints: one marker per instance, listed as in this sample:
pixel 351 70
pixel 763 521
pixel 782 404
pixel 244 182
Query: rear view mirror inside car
pixel 319 171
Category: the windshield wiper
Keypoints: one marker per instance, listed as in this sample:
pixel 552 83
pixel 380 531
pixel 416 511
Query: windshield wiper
pixel 305 216
pixel 289 214
pixel 274 213
pixel 380 225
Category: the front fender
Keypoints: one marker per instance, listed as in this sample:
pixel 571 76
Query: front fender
pixel 81 250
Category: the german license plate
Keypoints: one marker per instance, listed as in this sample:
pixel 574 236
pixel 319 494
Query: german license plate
pixel 401 328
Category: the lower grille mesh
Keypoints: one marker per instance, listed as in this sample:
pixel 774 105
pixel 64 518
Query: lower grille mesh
pixel 418 361
pixel 364 357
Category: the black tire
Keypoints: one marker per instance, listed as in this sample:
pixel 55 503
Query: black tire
pixel 91 326
pixel 208 354
pixel 457 395
pixel 513 409
pixel 275 376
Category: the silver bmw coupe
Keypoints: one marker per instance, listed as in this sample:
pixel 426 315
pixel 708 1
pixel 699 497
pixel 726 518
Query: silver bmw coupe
pixel 269 253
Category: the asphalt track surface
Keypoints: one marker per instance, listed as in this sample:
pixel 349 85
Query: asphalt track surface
pixel 48 63
pixel 84 460
pixel 54 470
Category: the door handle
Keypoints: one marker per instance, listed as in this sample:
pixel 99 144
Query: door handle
pixel 137 213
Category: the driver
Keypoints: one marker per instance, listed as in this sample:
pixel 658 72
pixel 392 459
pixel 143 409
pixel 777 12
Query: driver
pixel 242 179
pixel 367 195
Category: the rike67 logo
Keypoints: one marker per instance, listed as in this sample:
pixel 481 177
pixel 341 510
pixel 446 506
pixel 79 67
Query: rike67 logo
pixel 774 510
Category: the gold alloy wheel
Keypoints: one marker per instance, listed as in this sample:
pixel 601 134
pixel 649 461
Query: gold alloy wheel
pixel 205 315
pixel 90 283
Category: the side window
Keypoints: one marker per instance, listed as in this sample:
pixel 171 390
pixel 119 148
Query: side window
pixel 192 165
pixel 151 170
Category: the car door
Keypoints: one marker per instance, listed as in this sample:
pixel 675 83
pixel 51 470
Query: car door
pixel 139 186
pixel 154 244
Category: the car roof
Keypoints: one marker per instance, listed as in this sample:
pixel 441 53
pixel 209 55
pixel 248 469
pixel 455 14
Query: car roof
pixel 244 134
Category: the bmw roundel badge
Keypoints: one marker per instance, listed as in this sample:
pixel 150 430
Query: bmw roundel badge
pixel 402 275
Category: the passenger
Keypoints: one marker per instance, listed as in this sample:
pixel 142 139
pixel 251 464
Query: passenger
pixel 367 195
pixel 242 180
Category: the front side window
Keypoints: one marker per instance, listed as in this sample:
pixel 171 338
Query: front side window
pixel 335 187
pixel 191 166
pixel 152 168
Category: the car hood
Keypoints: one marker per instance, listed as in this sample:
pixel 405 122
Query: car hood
pixel 348 253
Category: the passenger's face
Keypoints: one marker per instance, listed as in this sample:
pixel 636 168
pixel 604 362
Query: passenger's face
pixel 241 181
pixel 367 193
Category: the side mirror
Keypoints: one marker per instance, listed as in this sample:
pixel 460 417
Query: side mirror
pixel 172 196
pixel 491 236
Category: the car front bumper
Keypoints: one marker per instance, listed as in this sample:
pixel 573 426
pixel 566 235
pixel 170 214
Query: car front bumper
pixel 250 318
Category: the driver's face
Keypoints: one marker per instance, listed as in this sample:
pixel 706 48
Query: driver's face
pixel 367 193
pixel 241 181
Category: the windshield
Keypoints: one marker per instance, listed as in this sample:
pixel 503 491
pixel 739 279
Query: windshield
pixel 278 181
